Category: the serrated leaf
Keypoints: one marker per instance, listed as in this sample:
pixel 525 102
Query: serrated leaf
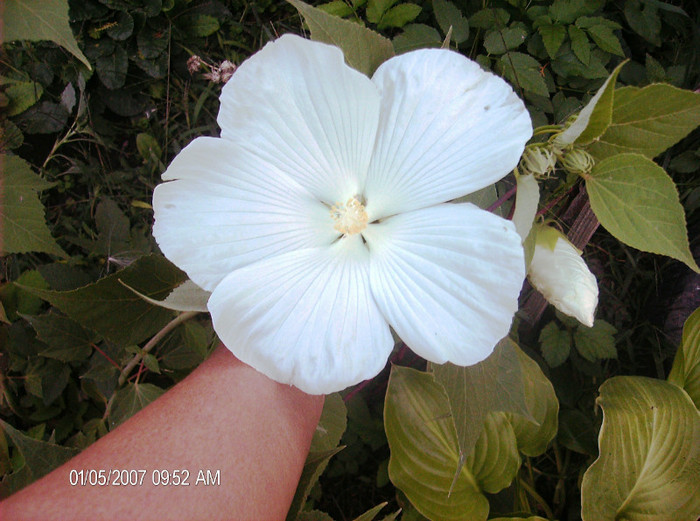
pixel 597 342
pixel 501 41
pixel 489 18
pixel 685 372
pixel 40 20
pixel 534 434
pixel 523 71
pixel 114 311
pixel 336 8
pixel 129 400
pixel 595 117
pixel 448 15
pixel 22 95
pixel 553 36
pixel 399 15
pixel 579 44
pixel 39 459
pixel 555 344
pixel 604 37
pixel 21 212
pixel 637 202
pixel 68 341
pixel 648 120
pixel 495 384
pixel 416 36
pixel 364 49
pixel 377 8
pixel 424 449
pixel 649 454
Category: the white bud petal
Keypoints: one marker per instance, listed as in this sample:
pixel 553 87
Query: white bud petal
pixel 563 278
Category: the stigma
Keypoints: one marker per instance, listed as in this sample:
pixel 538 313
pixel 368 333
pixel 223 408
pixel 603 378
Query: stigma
pixel 350 217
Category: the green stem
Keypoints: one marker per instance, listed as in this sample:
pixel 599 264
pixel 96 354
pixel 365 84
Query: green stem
pixel 538 499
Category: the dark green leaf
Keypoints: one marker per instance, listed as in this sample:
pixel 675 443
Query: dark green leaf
pixel 399 15
pixel 43 118
pixel 189 349
pixel 200 24
pixel 501 41
pixel 124 27
pixel 605 38
pixel 314 466
pixel 332 424
pixel 68 341
pixel 129 400
pixel 364 49
pixel 644 20
pixel 152 42
pixel 416 36
pixel 555 344
pixel 377 8
pixel 579 44
pixel 489 18
pixel 523 71
pixel 113 227
pixel 448 15
pixel 553 36
pixel 597 342
pixel 111 69
pixel 21 212
pixel 22 95
pixel 114 311
pixel 577 432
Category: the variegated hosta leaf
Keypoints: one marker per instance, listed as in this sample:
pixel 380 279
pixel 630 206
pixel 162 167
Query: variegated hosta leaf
pixel 649 459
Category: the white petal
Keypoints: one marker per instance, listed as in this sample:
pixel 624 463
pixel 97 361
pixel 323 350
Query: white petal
pixel 563 278
pixel 224 208
pixel 306 318
pixel 296 104
pixel 447 279
pixel 447 128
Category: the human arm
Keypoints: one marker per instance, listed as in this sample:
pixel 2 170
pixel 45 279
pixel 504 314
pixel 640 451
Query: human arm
pixel 224 416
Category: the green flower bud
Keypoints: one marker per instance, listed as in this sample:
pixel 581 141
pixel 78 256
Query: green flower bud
pixel 578 162
pixel 537 161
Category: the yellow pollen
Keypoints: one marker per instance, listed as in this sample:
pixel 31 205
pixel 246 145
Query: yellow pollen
pixel 350 217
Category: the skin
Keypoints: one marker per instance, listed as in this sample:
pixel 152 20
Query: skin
pixel 224 416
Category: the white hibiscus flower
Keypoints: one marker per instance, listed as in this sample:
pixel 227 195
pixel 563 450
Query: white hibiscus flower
pixel 317 220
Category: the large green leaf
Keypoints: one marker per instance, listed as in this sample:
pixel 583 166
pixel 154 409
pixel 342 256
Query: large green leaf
pixel 21 212
pixel 533 435
pixel 68 341
pixel 638 203
pixel 686 366
pixel 40 20
pixel 364 49
pixel 129 400
pixel 649 454
pixel 39 459
pixel 495 460
pixel 648 120
pixel 495 384
pixel 113 310
pixel 595 117
pixel 424 449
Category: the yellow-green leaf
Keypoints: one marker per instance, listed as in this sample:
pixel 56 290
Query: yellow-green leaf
pixel 685 372
pixel 40 20
pixel 364 49
pixel 649 454
pixel 637 202
pixel 648 120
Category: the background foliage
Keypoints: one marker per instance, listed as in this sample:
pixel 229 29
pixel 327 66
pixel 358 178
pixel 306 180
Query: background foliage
pixel 87 129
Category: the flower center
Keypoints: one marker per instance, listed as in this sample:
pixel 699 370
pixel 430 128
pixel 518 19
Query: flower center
pixel 349 217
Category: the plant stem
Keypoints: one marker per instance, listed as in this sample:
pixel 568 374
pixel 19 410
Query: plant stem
pixel 540 502
pixel 183 317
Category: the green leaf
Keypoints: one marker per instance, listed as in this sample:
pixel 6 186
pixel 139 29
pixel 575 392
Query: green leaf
pixel 416 36
pixel 637 202
pixel 22 95
pixel 595 117
pixel 312 515
pixel 332 424
pixel 577 432
pixel 644 21
pixel 495 460
pixel 533 435
pixel 604 37
pixel 501 41
pixel 649 454
pixel 555 344
pixel 553 36
pixel 336 8
pixel 186 297
pixel 129 400
pixel 124 27
pixel 115 312
pixel 200 25
pixel 21 212
pixel 39 458
pixel 579 44
pixel 448 15
pixel 597 342
pixel 685 372
pixel 364 49
pixel 112 68
pixel 495 384
pixel 68 341
pixel 424 449
pixel 187 351
pixel 371 513
pixel 113 227
pixel 316 463
pixel 523 71
pixel 399 15
pixel 40 20
pixel 148 147
pixel 648 120
pixel 377 8
pixel 489 18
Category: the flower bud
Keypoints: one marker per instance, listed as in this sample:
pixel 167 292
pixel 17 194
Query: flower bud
pixel 578 161
pixel 537 161
pixel 561 275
